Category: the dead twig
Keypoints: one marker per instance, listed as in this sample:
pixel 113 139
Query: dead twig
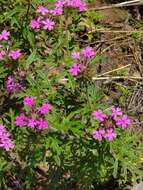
pixel 116 31
pixel 118 5
pixel 117 77
pixel 110 78
pixel 123 67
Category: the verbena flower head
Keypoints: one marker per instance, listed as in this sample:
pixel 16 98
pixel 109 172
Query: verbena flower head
pixel 35 23
pixel 43 10
pixel 5 140
pixel 88 52
pixel 99 115
pixel 45 108
pixel 48 24
pixel 58 9
pixel 109 123
pixel 33 118
pixel 75 69
pixel 4 35
pixel 76 55
pixel 15 54
pixel 29 101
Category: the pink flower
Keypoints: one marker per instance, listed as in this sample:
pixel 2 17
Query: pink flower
pixel 124 121
pixel 45 108
pixel 81 5
pixel 32 123
pixel 110 134
pixel 35 23
pixel 60 3
pixel 96 135
pixel 5 141
pixel 2 130
pixel 15 54
pixel 29 101
pixel 14 85
pixel 116 112
pixel 88 52
pixel 20 120
pixel 2 54
pixel 42 124
pixel 43 10
pixel 101 131
pixel 76 55
pixel 99 115
pixel 48 24
pixel 57 11
pixel 75 69
pixel 4 35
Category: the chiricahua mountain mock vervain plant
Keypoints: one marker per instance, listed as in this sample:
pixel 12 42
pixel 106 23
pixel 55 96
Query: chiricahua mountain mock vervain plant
pixel 56 132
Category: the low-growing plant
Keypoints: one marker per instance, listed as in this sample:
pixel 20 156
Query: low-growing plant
pixel 55 132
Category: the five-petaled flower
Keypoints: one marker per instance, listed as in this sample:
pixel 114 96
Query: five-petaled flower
pixel 124 121
pixel 43 10
pixel 88 52
pixel 75 69
pixel 29 101
pixel 48 24
pixel 35 23
pixel 15 54
pixel 4 35
pixel 45 108
pixel 99 115
pixel 76 55
pixel 20 120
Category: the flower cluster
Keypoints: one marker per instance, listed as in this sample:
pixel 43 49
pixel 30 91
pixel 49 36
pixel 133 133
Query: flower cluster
pixel 79 4
pixel 44 20
pixel 5 140
pixel 12 54
pixel 35 117
pixel 109 123
pixel 81 57
pixel 15 83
